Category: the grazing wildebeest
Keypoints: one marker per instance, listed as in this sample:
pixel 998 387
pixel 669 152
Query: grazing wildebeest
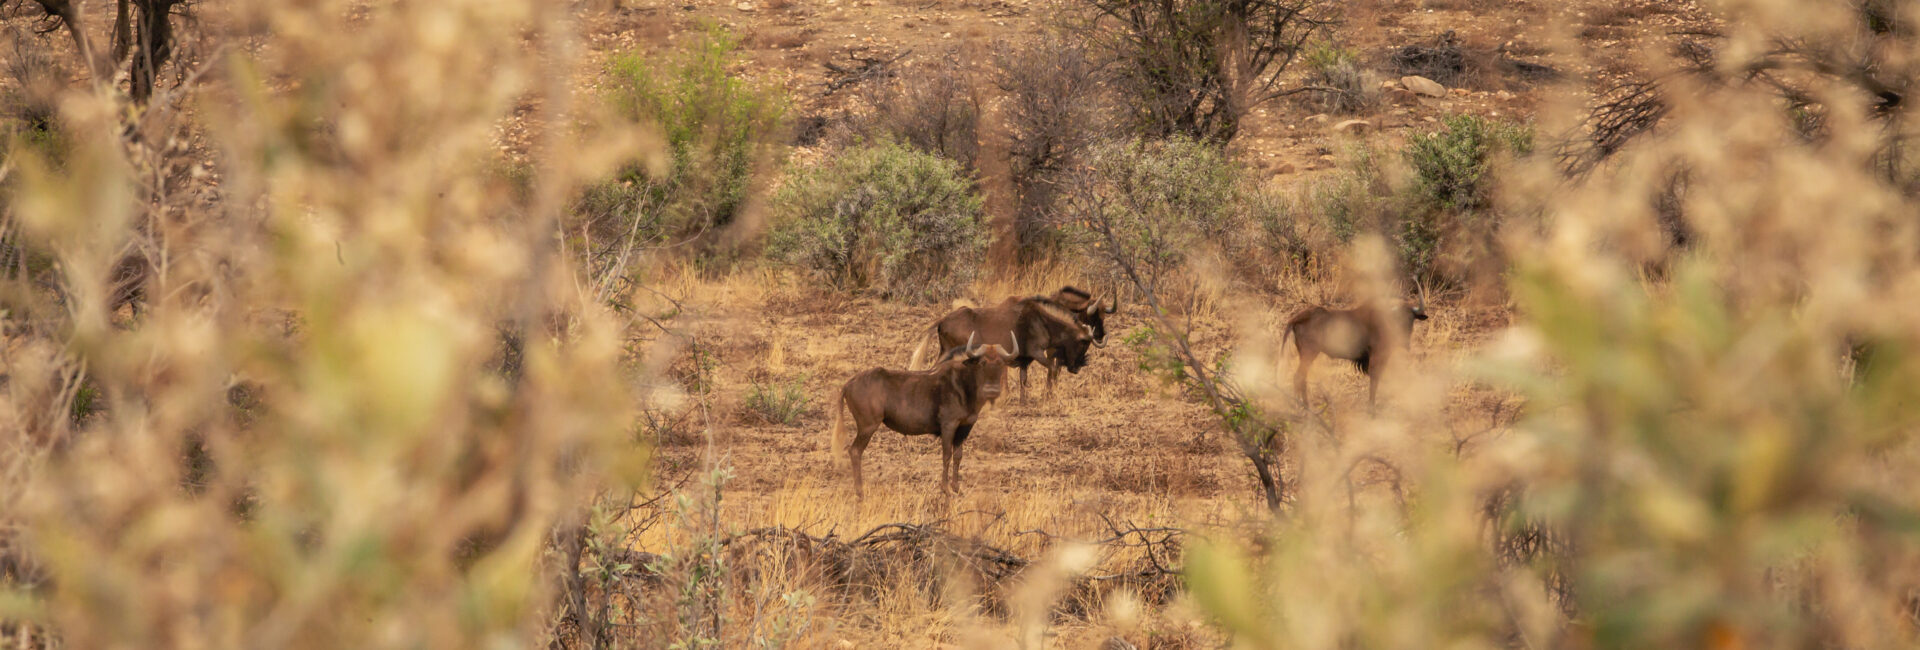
pixel 944 400
pixel 1048 333
pixel 1366 335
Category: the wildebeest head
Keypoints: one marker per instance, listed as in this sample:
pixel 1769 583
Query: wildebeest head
pixel 1069 338
pixel 1089 310
pixel 984 366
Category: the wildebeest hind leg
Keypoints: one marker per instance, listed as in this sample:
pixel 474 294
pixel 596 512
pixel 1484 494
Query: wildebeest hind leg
pixel 1300 374
pixel 861 437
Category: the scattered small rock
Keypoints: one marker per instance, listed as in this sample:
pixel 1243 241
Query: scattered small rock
pixel 1318 119
pixel 1502 95
pixel 1353 127
pixel 1423 86
pixel 743 6
pixel 1461 92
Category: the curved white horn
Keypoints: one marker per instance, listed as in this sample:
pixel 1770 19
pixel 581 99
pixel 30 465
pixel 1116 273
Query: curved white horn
pixel 970 337
pixel 1016 345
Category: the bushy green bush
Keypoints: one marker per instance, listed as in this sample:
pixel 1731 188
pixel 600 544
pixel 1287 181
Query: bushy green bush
pixel 1449 218
pixel 888 218
pixel 1452 167
pixel 718 129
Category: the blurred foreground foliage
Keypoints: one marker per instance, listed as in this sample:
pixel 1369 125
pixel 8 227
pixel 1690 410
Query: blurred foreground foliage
pixel 1711 457
pixel 300 368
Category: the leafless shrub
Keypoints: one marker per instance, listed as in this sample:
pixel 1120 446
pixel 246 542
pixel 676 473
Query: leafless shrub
pixel 1195 67
pixel 1344 85
pixel 931 107
pixel 1443 60
pixel 1627 111
pixel 35 76
pixel 1056 108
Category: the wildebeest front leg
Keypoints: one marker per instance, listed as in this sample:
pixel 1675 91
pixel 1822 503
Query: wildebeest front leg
pixel 1053 374
pixel 959 446
pixel 1023 384
pixel 949 460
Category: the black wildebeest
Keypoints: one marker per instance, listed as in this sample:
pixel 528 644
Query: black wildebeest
pixel 1050 332
pixel 1367 335
pixel 1087 309
pixel 945 401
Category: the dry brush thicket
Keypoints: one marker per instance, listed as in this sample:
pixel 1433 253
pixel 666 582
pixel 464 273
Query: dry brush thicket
pixel 336 325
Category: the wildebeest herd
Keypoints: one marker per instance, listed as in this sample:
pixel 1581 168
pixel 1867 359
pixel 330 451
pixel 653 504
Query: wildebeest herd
pixel 978 344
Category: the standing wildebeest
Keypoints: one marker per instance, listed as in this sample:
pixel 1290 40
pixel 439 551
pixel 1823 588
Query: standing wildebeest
pixel 945 401
pixel 1366 335
pixel 1052 335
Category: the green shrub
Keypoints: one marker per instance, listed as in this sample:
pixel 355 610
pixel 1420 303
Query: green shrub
pixel 718 129
pixel 890 219
pixel 778 402
pixel 1449 217
pixel 1452 167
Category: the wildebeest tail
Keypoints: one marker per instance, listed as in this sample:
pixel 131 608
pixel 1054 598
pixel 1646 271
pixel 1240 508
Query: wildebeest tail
pixel 839 444
pixel 920 351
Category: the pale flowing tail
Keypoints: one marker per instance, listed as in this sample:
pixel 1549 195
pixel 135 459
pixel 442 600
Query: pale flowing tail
pixel 920 351
pixel 839 445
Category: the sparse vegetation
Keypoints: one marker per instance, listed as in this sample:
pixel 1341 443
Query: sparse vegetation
pixel 778 402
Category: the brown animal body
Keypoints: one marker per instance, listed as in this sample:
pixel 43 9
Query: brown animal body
pixel 1050 332
pixel 943 401
pixel 1367 336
